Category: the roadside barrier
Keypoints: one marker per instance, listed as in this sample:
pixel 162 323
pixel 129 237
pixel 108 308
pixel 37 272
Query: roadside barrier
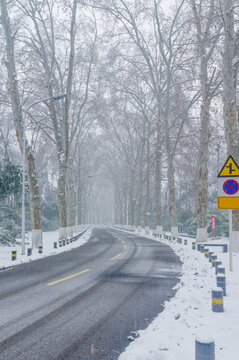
pixel 200 248
pixel 68 241
pixel 204 349
pixel 210 256
pixel 224 246
pixel 217 300
pixel 218 263
pixel 40 247
pixel 221 270
pixel 206 253
pixel 213 260
pixel 221 283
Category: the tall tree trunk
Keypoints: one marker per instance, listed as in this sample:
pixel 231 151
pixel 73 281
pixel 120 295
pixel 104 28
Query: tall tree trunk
pixel 202 188
pixel 125 217
pixel 35 201
pixel 230 112
pixel 170 159
pixel 146 210
pixel 171 184
pixel 62 204
pixel 204 39
pixel 78 208
pixel 140 197
pixel 133 203
pixel 70 202
pixel 61 130
pixel 203 174
pixel 158 183
pixel 132 199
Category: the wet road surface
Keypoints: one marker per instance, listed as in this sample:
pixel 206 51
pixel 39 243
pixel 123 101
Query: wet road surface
pixel 83 304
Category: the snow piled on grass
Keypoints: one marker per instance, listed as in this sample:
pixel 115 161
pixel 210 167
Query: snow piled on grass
pixel 48 249
pixel 188 314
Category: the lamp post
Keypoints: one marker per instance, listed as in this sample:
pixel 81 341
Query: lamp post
pixel 56 97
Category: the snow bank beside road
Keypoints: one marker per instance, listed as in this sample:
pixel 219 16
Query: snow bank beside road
pixel 48 249
pixel 188 315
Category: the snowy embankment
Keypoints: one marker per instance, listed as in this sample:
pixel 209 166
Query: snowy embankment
pixel 48 248
pixel 172 333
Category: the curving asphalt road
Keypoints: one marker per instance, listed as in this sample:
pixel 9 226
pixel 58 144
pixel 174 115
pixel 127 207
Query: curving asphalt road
pixel 83 304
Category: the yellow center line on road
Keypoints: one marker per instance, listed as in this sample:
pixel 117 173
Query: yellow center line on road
pixel 67 278
pixel 115 257
pixel 125 247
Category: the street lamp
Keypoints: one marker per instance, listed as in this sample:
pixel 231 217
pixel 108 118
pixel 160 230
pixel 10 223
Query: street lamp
pixel 56 97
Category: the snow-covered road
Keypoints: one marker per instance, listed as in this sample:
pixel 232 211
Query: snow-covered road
pixel 173 332
pixel 188 315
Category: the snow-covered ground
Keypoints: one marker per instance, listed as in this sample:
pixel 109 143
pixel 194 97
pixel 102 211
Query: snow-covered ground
pixel 173 332
pixel 48 248
pixel 187 315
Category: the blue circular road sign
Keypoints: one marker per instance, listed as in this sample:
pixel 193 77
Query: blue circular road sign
pixel 230 187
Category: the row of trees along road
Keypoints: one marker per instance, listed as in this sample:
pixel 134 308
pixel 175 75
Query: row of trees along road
pixel 151 90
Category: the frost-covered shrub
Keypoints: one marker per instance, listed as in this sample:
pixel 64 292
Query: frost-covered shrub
pixel 8 231
pixel 7 237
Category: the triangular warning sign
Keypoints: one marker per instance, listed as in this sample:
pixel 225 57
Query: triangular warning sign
pixel 229 169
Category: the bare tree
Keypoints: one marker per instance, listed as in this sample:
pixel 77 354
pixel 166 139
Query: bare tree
pixel 230 109
pixel 207 38
pixel 59 77
pixel 35 202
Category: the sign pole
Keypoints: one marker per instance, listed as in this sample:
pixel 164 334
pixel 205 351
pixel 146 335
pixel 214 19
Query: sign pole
pixel 230 241
pixel 228 198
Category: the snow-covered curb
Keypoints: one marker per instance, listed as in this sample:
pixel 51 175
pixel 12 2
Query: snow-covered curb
pixel 172 333
pixel 48 249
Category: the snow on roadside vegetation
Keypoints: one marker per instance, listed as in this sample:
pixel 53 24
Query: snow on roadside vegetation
pixel 48 248
pixel 188 314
